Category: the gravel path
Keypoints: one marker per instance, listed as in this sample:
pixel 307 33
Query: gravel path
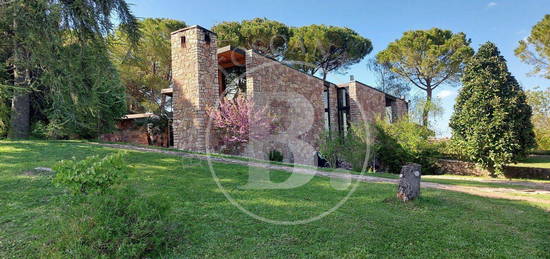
pixel 531 184
pixel 501 193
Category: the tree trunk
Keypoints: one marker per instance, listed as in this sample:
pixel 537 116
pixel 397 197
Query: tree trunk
pixel 427 107
pixel 21 101
pixel 20 107
pixel 409 183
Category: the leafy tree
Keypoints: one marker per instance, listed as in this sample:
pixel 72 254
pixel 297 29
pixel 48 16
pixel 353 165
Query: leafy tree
pixel 266 36
pixel 238 121
pixel 402 142
pixel 38 32
pixel 80 93
pixel 387 80
pixel 322 48
pixel 428 59
pixel 5 53
pixel 145 69
pixel 539 100
pixel 535 50
pixel 418 106
pixel 492 120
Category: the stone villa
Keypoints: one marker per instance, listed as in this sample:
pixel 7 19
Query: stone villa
pixel 305 105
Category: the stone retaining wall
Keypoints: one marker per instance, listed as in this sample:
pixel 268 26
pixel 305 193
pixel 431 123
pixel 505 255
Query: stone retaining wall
pixel 456 167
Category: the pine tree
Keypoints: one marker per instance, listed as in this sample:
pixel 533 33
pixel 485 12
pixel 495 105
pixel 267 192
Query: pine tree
pixel 36 32
pixel 491 120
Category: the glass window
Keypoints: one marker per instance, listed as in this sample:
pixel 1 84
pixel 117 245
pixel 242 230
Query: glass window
pixel 343 110
pixel 326 102
pixel 343 96
pixel 389 114
pixel 327 122
pixel 234 82
pixel 345 123
pixel 325 99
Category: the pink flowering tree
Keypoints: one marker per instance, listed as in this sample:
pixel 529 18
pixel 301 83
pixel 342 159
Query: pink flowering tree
pixel 238 121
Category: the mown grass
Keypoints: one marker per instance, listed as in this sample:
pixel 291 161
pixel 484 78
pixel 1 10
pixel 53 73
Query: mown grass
pixel 472 181
pixel 370 224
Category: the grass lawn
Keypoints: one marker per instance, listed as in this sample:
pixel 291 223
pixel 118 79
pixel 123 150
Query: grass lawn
pixel 472 181
pixel 540 161
pixel 370 224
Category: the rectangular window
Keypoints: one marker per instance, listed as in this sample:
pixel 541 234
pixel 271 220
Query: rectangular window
pixel 390 115
pixel 182 41
pixel 327 122
pixel 343 110
pixel 326 102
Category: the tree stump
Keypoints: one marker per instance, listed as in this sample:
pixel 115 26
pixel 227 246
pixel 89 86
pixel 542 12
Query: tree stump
pixel 409 183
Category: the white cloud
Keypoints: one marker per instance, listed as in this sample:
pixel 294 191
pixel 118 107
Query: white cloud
pixel 445 93
pixel 492 4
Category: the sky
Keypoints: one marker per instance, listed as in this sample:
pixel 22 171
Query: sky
pixel 503 22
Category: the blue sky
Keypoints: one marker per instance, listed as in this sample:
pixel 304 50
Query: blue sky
pixel 502 22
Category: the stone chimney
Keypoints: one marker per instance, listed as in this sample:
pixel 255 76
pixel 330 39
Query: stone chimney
pixel 196 87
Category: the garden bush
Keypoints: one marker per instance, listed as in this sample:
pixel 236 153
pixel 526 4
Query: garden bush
pixel 352 148
pixel 120 223
pixel 92 174
pixel 39 130
pixel 357 146
pixel 404 142
pixel 330 148
pixel 388 145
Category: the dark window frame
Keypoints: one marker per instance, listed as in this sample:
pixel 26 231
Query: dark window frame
pixel 327 108
pixel 182 41
pixel 343 109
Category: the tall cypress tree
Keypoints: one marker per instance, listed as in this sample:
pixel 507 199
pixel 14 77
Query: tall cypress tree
pixel 491 120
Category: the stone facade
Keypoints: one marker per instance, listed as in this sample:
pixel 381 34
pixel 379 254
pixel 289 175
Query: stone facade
pixel 368 103
pixel 333 106
pixel 294 98
pixel 399 108
pixel 128 131
pixel 194 73
pixel 365 103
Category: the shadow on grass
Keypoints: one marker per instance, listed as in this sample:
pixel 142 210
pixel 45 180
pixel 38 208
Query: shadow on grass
pixel 371 223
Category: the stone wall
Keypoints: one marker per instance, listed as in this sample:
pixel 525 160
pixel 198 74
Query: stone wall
pixel 456 167
pixel 366 103
pixel 195 70
pixel 128 132
pixel 400 108
pixel 296 101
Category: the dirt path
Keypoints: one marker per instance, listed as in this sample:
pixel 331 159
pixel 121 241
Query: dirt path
pixel 501 193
